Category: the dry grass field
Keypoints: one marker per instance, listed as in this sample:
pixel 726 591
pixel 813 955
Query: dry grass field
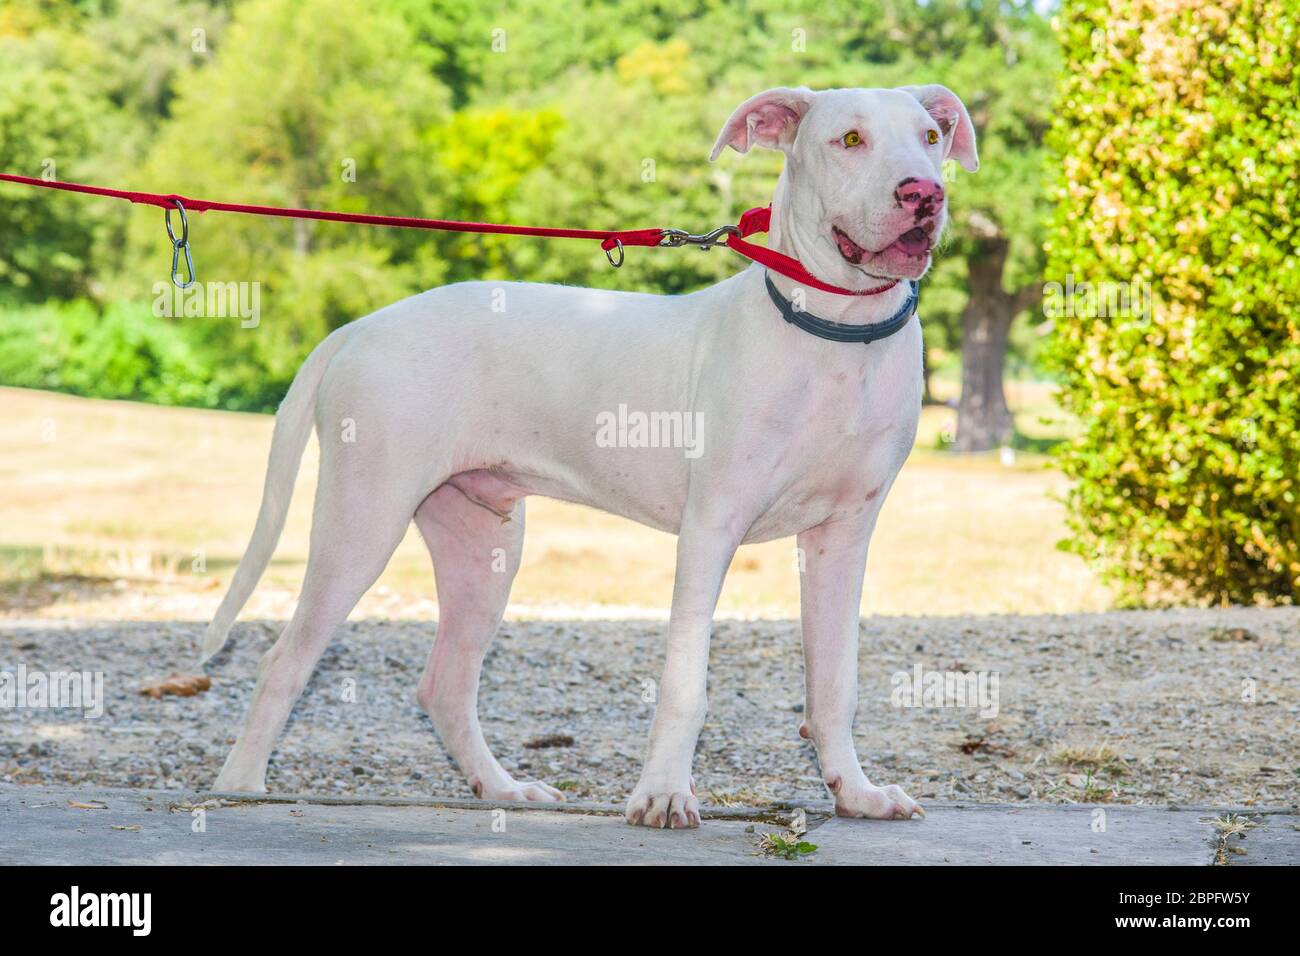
pixel 101 499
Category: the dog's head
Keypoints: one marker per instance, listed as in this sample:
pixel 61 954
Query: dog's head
pixel 862 191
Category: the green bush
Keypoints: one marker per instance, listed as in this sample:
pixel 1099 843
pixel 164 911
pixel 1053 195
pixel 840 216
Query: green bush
pixel 124 352
pixel 1178 135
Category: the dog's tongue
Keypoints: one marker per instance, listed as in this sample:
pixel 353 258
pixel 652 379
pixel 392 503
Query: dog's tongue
pixel 914 242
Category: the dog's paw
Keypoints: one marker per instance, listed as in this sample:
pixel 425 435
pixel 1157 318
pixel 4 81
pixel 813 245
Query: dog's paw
pixel 662 804
pixel 516 791
pixel 862 799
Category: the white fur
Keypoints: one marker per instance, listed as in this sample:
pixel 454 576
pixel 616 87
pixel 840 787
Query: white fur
pixel 465 399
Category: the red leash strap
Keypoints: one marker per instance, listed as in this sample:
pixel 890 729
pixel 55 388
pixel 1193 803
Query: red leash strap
pixel 631 237
pixel 755 220
pixel 758 220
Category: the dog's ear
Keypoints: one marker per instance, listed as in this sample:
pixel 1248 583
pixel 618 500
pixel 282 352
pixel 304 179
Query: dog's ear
pixel 769 119
pixel 950 113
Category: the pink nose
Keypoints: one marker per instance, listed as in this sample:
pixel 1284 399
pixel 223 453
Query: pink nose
pixel 921 197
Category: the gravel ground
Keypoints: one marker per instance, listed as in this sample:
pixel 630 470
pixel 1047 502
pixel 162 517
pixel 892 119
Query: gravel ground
pixel 1133 707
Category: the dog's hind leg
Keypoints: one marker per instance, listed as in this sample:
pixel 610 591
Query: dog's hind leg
pixel 476 545
pixel 358 520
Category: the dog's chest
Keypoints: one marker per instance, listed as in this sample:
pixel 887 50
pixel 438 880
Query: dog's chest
pixel 842 478
pixel 845 442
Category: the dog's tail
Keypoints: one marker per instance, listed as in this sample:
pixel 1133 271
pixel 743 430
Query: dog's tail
pixel 293 424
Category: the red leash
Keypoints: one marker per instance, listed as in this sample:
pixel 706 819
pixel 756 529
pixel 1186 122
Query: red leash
pixel 755 220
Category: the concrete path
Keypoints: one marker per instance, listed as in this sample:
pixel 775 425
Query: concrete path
pixel 90 826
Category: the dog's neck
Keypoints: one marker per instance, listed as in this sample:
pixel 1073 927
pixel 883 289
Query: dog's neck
pixel 798 236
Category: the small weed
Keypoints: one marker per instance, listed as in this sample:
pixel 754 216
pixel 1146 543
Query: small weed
pixel 1089 789
pixel 786 848
pixel 1230 825
pixel 1095 794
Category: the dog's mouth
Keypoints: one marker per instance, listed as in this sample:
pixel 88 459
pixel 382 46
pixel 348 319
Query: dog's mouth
pixel 916 243
pixel 850 250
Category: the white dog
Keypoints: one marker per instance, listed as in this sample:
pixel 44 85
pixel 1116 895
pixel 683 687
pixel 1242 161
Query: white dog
pixel 454 405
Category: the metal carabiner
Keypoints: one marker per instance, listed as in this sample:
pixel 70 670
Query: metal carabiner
pixel 673 238
pixel 189 266
pixel 179 245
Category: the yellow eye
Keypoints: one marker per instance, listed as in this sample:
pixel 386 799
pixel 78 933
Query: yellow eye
pixel 851 139
pixel 932 136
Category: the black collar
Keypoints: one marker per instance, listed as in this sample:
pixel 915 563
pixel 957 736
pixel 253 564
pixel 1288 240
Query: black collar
pixel 843 331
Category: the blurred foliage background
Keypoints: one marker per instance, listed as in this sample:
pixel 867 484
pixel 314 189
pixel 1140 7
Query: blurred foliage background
pixel 531 112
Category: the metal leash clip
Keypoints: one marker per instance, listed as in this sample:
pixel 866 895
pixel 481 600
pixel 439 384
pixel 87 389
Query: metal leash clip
pixel 179 245
pixel 679 237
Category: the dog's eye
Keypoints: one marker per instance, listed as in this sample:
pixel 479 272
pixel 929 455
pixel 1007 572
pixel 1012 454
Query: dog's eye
pixel 932 136
pixel 851 139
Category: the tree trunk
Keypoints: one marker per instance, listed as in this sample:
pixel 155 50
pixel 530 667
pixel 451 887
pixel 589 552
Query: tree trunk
pixel 983 419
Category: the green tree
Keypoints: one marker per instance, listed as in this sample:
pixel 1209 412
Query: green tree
pixel 50 127
pixel 339 121
pixel 142 46
pixel 453 39
pixel 486 153
pixel 633 153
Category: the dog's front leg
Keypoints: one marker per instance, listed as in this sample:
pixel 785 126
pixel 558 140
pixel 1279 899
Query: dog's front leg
pixel 665 794
pixel 834 557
